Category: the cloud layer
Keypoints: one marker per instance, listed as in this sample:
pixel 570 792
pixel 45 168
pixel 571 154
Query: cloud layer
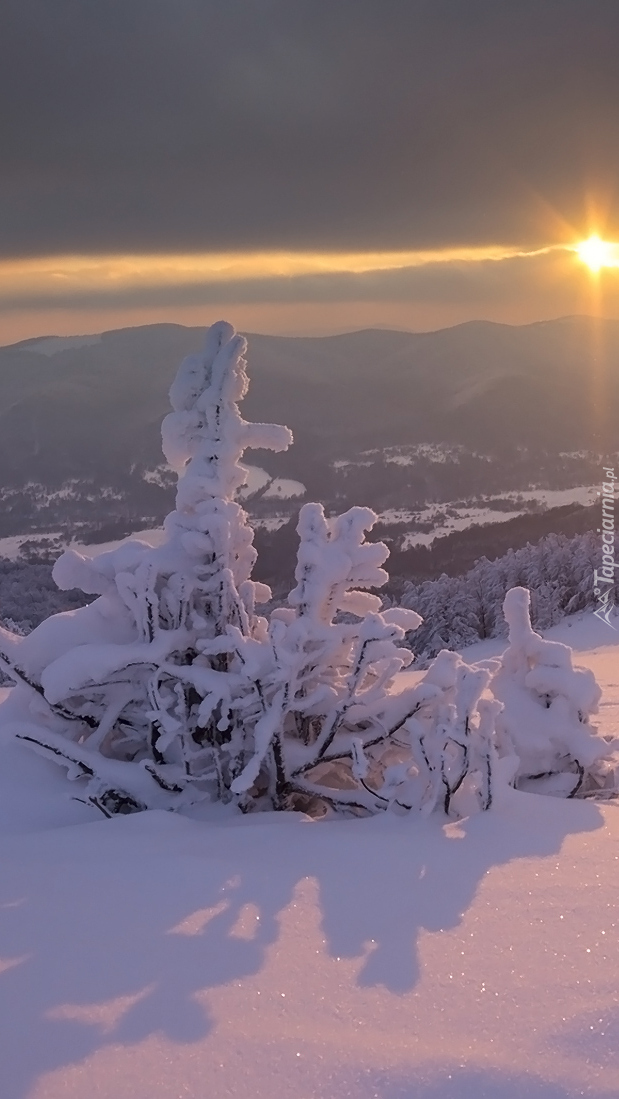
pixel 78 294
pixel 147 125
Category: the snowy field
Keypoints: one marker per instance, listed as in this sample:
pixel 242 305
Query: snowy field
pixel 461 518
pixel 272 957
pixel 285 489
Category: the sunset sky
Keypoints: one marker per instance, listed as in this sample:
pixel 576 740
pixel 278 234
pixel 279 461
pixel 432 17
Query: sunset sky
pixel 306 166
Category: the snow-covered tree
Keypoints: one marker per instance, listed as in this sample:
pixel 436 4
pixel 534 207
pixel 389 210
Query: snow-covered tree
pixel 547 705
pixel 126 678
pixel 169 688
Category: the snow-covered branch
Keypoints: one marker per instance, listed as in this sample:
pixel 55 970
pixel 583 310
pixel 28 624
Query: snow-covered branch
pixel 169 688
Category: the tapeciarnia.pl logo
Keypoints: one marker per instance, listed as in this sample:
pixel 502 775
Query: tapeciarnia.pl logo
pixel 604 578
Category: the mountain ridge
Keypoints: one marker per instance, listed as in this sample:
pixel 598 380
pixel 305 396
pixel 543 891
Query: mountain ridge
pixel 381 417
pixel 478 321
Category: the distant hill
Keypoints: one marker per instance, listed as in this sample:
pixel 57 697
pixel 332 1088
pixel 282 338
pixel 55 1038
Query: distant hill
pixel 391 419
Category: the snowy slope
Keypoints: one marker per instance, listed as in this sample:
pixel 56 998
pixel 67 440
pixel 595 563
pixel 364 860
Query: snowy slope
pixel 159 957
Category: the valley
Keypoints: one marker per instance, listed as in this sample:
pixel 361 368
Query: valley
pixel 424 428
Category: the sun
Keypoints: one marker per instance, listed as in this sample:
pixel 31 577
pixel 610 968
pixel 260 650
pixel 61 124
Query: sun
pixel 597 253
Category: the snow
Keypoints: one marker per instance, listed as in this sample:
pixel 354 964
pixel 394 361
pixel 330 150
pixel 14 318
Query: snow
pixel 345 464
pixel 273 522
pixel 53 345
pixel 584 633
pixel 281 488
pixel 535 669
pixel 481 514
pixel 431 452
pixel 467 517
pixel 228 953
pixel 257 478
pixel 395 515
pixel 161 476
pixel 595 645
pixel 284 489
pixel 558 498
pixel 484 513
pixel 159 956
pixel 401 459
pixel 10 546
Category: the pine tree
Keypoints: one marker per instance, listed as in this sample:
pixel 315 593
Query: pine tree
pixel 146 675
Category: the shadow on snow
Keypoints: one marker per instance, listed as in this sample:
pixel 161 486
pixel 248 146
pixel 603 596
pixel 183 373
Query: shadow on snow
pixel 108 930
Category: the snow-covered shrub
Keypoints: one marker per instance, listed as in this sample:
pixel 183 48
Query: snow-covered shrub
pixel 451 739
pixel 169 688
pixel 338 734
pixel 547 704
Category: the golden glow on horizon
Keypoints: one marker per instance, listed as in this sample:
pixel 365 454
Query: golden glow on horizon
pixel 60 276
pixel 72 294
pixel 597 253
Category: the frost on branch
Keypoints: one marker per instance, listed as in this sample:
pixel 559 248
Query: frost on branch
pixel 170 689
pixel 547 706
pixel 331 734
pixel 125 679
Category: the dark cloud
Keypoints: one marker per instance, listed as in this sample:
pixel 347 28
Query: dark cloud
pixel 224 124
